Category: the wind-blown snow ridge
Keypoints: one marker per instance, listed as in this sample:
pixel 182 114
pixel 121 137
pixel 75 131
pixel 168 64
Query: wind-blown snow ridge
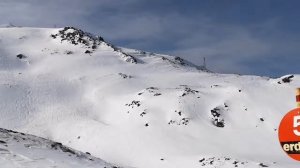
pixel 160 112
pixel 175 61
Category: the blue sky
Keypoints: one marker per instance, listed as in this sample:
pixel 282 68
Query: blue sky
pixel 259 37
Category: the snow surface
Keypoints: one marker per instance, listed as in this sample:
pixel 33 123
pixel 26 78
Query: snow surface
pixel 19 150
pixel 138 109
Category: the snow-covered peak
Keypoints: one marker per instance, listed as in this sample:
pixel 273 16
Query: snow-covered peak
pixel 135 108
pixel 77 36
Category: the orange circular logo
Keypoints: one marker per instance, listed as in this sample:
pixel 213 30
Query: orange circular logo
pixel 289 133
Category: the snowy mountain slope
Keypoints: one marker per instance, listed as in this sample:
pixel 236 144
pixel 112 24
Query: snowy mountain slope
pixel 148 58
pixel 23 150
pixel 135 108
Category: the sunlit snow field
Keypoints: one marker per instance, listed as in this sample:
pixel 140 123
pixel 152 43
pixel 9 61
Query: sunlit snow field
pixel 137 109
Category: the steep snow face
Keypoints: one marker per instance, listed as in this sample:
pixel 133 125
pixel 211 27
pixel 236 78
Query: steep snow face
pixel 135 108
pixel 19 150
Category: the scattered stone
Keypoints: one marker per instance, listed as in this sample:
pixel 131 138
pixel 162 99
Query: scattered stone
pixel 184 121
pixel 53 36
pixel 87 52
pixel 174 61
pixel 217 119
pixel 181 120
pixel 133 104
pixel 68 52
pixel 124 76
pixel 143 113
pixel 127 57
pixel 21 56
pixel 179 60
pixel 215 112
pixel 57 145
pixel 171 122
pixel 263 165
pixel 150 89
pixel 178 112
pixel 201 160
pixel 287 79
pixel 188 91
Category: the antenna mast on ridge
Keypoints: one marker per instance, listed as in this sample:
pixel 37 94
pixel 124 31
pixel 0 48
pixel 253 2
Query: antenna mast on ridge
pixel 204 63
